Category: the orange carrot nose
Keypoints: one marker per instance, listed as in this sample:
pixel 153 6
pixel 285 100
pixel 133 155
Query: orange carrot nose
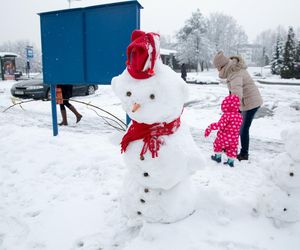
pixel 135 107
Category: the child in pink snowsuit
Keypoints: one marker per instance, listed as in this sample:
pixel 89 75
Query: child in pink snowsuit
pixel 228 130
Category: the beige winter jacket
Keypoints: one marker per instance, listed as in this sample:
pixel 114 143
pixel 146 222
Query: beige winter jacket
pixel 240 83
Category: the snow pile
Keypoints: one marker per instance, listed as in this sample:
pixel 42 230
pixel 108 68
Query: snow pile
pixel 201 79
pixel 64 192
pixel 280 81
pixel 282 204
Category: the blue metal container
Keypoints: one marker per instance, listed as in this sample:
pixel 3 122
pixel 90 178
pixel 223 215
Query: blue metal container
pixel 87 45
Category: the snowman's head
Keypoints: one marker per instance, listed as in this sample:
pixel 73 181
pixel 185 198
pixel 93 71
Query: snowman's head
pixel 291 138
pixel 285 168
pixel 150 92
pixel 159 98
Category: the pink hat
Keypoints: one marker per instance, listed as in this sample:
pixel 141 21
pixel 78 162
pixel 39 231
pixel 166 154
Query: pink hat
pixel 220 60
pixel 142 53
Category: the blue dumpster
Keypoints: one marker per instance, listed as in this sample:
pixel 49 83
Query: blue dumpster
pixel 86 45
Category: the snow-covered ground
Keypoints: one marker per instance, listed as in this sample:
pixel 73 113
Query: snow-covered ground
pixel 261 74
pixel 63 192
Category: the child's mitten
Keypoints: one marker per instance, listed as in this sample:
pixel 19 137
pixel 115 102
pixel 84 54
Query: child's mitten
pixel 207 132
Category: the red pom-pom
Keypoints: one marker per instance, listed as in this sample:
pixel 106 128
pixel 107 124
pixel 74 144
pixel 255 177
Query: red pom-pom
pixel 150 72
pixel 137 33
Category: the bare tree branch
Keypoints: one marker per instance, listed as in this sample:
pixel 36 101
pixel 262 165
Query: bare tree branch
pixel 120 125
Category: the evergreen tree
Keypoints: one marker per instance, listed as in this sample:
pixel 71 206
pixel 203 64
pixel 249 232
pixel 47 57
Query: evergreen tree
pixel 289 54
pixel 277 61
pixel 297 62
pixel 268 39
pixel 297 55
pixel 267 60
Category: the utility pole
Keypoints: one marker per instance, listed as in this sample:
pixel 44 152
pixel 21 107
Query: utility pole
pixel 29 55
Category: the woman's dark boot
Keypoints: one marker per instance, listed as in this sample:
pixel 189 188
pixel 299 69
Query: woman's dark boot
pixel 242 157
pixel 78 116
pixel 64 118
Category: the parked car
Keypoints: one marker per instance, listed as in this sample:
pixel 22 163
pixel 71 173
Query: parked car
pixel 36 88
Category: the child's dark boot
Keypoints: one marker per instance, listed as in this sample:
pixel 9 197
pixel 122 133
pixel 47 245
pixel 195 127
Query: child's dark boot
pixel 229 162
pixel 216 157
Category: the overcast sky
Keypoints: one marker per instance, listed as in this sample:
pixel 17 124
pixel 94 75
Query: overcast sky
pixel 19 19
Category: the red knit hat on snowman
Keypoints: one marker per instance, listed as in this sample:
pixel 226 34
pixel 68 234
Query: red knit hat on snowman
pixel 142 54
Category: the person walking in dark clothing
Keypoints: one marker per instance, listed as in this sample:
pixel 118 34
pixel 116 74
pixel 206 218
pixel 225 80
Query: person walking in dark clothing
pixel 66 95
pixel 183 72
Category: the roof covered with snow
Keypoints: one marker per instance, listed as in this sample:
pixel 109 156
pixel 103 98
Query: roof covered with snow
pixel 167 51
pixel 6 54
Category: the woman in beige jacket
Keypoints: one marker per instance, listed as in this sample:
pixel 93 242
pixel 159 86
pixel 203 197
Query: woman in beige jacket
pixel 240 83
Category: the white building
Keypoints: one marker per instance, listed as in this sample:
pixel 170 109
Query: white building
pixel 249 53
pixel 168 56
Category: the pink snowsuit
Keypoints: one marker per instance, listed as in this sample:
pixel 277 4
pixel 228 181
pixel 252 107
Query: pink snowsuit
pixel 228 127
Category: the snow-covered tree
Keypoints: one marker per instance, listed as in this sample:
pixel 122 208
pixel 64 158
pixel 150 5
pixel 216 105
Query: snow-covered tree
pixel 297 61
pixel 267 39
pixel 267 60
pixel 166 42
pixel 193 45
pixel 297 55
pixel 289 54
pixel 225 34
pixel 277 60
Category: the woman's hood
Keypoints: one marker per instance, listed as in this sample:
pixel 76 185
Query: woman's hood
pixel 236 63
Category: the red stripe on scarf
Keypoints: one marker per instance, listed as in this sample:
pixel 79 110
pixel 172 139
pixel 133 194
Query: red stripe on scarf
pixel 150 134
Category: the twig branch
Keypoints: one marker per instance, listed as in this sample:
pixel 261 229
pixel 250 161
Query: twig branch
pixel 88 104
pixel 121 126
pixel 105 118
pixel 17 103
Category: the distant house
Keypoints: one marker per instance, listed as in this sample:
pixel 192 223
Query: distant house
pixel 8 65
pixel 249 53
pixel 168 57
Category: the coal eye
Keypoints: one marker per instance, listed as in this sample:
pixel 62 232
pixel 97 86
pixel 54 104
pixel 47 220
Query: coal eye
pixel 152 96
pixel 128 93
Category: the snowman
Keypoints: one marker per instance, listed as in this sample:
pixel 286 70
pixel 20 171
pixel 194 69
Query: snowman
pixel 159 151
pixel 282 204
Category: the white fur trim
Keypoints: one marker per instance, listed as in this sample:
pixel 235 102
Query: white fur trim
pixel 148 62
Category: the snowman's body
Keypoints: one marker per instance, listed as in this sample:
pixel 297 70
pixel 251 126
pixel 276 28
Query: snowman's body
pixel 158 189
pixel 157 205
pixel 171 165
pixel 283 204
pixel 282 208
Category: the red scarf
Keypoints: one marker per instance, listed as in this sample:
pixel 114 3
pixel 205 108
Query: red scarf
pixel 150 134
